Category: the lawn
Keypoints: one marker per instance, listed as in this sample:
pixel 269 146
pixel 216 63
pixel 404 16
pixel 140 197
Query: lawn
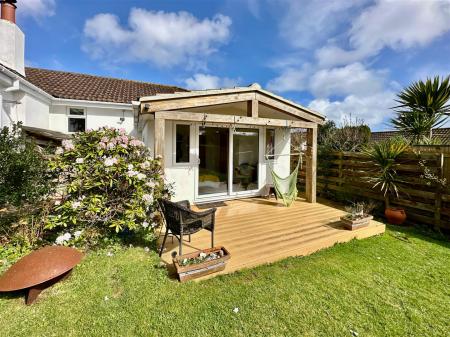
pixel 394 285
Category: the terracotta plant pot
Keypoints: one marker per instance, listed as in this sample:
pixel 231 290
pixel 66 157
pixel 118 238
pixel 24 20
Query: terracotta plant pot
pixel 395 216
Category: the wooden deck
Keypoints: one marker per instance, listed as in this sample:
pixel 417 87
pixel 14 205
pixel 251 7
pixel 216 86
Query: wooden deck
pixel 258 231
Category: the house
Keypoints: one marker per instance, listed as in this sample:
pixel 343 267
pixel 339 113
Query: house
pixel 215 144
pixel 442 135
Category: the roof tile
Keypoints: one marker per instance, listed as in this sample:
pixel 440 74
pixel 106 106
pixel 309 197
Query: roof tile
pixel 85 87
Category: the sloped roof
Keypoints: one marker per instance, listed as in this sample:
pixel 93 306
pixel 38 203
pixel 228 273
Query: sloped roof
pixel 68 85
pixel 443 134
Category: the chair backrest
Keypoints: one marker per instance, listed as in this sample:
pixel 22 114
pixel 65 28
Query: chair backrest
pixel 175 214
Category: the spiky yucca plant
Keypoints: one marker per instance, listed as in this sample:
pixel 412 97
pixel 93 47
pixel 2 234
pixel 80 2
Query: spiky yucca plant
pixel 384 157
pixel 422 107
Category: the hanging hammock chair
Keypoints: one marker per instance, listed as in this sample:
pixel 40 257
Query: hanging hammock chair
pixel 286 188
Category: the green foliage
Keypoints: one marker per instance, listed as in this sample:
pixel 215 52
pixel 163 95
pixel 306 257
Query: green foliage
pixel 23 169
pixel 111 185
pixel 384 156
pixel 422 107
pixel 350 136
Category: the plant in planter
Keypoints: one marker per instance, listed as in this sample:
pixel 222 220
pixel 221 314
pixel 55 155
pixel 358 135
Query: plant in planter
pixel 384 157
pixel 358 215
pixel 201 263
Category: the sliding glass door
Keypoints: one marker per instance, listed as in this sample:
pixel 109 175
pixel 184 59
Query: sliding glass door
pixel 213 161
pixel 245 159
pixel 228 161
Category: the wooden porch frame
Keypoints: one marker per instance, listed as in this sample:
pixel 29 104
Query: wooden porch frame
pixel 311 155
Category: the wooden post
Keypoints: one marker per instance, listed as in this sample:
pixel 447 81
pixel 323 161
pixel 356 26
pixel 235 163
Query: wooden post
pixel 311 164
pixel 341 175
pixel 159 138
pixel 252 108
pixel 438 199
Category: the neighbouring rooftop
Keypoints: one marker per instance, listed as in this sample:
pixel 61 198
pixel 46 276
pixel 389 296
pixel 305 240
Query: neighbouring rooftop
pixel 442 134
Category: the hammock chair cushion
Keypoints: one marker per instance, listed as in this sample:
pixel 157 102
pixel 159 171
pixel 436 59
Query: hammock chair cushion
pixel 286 188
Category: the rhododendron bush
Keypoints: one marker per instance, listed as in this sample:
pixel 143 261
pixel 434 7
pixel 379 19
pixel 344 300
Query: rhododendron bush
pixel 110 184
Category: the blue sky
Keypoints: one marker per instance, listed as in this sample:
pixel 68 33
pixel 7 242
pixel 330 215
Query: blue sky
pixel 338 57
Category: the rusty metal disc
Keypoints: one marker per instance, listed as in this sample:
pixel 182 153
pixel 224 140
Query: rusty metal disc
pixel 39 266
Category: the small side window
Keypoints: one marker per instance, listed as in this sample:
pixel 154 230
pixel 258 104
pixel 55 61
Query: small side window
pixel 270 143
pixel 77 120
pixel 182 143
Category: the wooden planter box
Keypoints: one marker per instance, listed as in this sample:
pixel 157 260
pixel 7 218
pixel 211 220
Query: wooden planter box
pixel 356 224
pixel 189 272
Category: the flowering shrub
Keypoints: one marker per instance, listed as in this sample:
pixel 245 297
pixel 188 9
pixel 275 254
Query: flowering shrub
pixel 110 185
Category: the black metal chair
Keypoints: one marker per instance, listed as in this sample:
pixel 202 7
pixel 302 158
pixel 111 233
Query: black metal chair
pixel 181 220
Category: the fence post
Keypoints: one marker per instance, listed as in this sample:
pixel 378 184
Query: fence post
pixel 438 200
pixel 341 155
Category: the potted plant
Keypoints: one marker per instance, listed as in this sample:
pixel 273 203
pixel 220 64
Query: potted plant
pixel 200 263
pixel 384 157
pixel 358 215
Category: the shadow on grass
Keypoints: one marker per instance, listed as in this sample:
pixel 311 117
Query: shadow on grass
pixel 9 295
pixel 418 232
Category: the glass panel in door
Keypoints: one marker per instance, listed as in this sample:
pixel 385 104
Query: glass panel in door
pixel 245 159
pixel 213 155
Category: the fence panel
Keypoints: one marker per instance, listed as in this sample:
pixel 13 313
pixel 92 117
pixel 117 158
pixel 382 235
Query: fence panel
pixel 346 173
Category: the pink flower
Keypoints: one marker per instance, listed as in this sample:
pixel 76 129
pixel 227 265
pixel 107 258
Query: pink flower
pixel 101 145
pixel 105 139
pixel 122 131
pixel 110 161
pixel 67 144
pixel 59 151
pixel 110 146
pixel 136 142
pixel 124 139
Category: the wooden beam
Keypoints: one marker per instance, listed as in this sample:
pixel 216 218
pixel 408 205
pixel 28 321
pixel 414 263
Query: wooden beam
pixel 194 102
pixel 252 108
pixel 159 138
pixel 230 119
pixel 311 164
pixel 288 109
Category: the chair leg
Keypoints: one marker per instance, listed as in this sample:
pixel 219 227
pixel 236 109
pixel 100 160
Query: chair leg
pixel 212 238
pixel 180 250
pixel 164 242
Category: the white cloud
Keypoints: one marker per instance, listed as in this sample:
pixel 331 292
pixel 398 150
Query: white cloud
pixel 398 25
pixel 36 8
pixel 205 81
pixel 291 79
pixel 161 38
pixel 309 23
pixel 373 109
pixel 353 79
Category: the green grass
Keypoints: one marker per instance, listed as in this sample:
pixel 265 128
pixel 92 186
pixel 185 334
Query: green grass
pixel 393 285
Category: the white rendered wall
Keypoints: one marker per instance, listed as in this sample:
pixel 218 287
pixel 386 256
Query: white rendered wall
pixel 12 46
pixel 35 112
pixel 95 118
pixel 184 176
pixel 181 175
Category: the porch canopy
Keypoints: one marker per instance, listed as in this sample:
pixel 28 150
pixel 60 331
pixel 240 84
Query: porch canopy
pixel 236 106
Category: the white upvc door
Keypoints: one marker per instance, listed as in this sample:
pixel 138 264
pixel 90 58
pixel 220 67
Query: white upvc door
pixel 210 182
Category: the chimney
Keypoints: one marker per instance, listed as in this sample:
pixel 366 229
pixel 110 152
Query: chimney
pixel 12 39
pixel 9 10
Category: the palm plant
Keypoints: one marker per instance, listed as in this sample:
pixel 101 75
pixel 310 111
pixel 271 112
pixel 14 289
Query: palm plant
pixel 384 157
pixel 422 107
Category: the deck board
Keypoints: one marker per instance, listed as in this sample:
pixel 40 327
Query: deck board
pixel 258 231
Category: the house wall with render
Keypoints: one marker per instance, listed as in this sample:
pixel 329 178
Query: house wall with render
pixel 95 117
pixel 184 177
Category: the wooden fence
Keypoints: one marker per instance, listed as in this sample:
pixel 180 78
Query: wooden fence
pixel 345 174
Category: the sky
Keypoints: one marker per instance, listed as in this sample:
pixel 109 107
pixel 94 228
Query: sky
pixel 340 57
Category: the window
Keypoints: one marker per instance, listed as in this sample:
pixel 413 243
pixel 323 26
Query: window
pixel 77 120
pixel 182 143
pixel 270 143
